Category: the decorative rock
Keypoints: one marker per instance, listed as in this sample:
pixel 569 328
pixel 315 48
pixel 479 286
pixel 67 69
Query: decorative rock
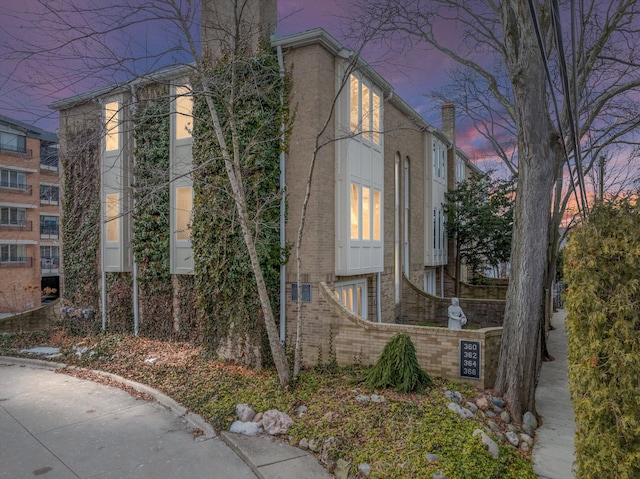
pixel 513 438
pixel 245 412
pixel 258 417
pixel 482 403
pixel 500 437
pixel 303 444
pixel 524 447
pixel 342 469
pixel 454 396
pixel 490 413
pixel 438 475
pixel 276 422
pixel 364 469
pixel 460 411
pixel 512 428
pixel 293 441
pixel 314 445
pixel 377 399
pixel 301 410
pixel 498 402
pixel 530 419
pixel 361 398
pixel 471 407
pixel 432 458
pixel 492 447
pixel 493 426
pixel 247 428
pixel 505 416
pixel 497 409
pixel 526 438
pixel 325 457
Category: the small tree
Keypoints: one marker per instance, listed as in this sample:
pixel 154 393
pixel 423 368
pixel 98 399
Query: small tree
pixel 479 220
pixel 398 368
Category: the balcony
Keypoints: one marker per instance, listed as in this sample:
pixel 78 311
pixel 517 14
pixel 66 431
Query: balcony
pixel 17 188
pixel 17 226
pixel 16 262
pixel 49 159
pixel 49 231
pixel 50 265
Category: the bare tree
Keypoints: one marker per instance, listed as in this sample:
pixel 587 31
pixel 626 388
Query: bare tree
pixel 501 73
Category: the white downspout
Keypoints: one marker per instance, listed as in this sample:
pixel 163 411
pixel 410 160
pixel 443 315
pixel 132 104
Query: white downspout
pixel 378 297
pixel 283 205
pixel 136 309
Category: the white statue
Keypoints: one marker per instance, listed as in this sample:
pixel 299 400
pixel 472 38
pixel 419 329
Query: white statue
pixel 457 319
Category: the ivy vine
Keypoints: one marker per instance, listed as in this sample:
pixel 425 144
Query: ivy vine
pixel 226 293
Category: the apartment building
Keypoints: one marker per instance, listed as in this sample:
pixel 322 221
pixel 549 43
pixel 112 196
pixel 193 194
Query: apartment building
pixel 29 216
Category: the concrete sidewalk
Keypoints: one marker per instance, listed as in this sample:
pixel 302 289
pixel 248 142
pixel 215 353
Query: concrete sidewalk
pixel 67 428
pixel 553 452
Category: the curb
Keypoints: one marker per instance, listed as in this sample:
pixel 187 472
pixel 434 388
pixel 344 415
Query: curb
pixel 194 420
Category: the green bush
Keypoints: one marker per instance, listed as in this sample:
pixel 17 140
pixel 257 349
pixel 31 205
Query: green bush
pixel 602 269
pixel 398 368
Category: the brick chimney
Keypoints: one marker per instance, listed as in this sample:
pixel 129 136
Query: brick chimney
pixel 449 120
pixel 227 24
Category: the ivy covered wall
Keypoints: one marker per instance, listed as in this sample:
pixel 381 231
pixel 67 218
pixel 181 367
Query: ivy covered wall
pixel 229 310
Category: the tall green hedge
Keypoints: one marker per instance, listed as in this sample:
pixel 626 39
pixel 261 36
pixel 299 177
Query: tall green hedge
pixel 602 269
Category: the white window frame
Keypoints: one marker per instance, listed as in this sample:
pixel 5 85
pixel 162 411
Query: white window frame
pixel 13 253
pixel 20 215
pixel 365 116
pixel 48 197
pixel 346 292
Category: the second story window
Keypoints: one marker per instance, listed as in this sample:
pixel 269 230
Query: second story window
pixel 49 157
pixel 49 195
pixel 13 179
pixel 13 253
pixel 365 110
pixel 112 126
pixel 13 216
pixel 12 140
pixel 49 226
pixel 184 112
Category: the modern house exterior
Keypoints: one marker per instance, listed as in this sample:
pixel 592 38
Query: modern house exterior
pixel 374 253
pixel 29 215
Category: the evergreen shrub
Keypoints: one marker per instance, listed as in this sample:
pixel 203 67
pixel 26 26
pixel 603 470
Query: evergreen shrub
pixel 398 368
pixel 602 269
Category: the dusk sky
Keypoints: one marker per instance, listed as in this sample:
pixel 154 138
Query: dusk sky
pixel 29 83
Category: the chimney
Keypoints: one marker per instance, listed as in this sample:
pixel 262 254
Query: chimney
pixel 449 121
pixel 232 25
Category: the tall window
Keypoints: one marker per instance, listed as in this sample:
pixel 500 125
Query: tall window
pixel 112 126
pixel 184 208
pixel 10 216
pixel 112 210
pixel 184 112
pixel 439 160
pixel 12 140
pixel 353 296
pixel 49 226
pixel 365 110
pixel 366 213
pixel 13 179
pixel 13 253
pixel 49 257
pixel 49 195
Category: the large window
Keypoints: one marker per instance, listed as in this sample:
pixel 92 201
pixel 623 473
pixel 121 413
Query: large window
pixel 10 216
pixel 13 179
pixel 13 253
pixel 112 126
pixel 365 110
pixel 49 257
pixel 49 226
pixel 184 112
pixel 439 160
pixel 366 213
pixel 112 211
pixel 12 140
pixel 353 296
pixel 184 208
pixel 49 195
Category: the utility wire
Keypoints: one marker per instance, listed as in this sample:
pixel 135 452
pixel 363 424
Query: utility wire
pixel 536 25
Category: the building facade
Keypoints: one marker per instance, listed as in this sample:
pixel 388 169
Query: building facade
pixel 30 247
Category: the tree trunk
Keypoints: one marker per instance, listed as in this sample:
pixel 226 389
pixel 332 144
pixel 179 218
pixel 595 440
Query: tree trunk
pixel 524 309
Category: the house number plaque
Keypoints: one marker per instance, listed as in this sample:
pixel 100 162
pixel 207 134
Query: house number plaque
pixel 469 359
